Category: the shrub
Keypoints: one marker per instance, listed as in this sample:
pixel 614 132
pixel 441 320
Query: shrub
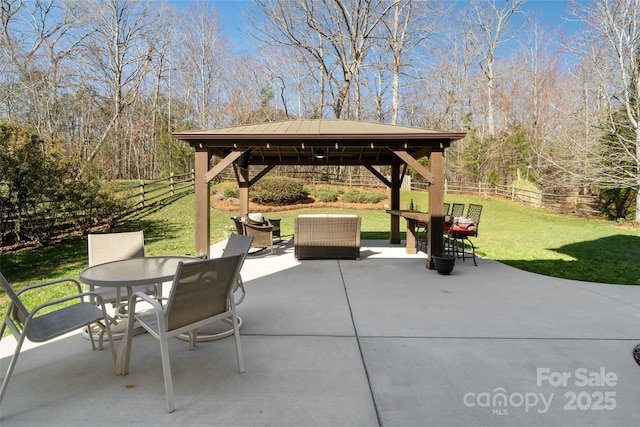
pixel 618 203
pixel 327 195
pixel 40 194
pixel 278 190
pixel 231 192
pixel 355 196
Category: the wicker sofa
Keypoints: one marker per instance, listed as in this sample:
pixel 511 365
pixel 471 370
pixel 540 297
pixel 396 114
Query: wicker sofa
pixel 327 236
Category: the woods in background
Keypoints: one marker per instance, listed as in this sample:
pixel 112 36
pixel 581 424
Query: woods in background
pixel 111 79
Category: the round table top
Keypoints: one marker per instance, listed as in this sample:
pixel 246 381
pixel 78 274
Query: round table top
pixel 134 271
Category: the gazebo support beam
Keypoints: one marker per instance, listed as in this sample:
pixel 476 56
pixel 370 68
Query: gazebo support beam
pixel 203 220
pixel 241 168
pixel 378 175
pixel 396 182
pixel 262 173
pixel 222 164
pixel 408 159
pixel 435 243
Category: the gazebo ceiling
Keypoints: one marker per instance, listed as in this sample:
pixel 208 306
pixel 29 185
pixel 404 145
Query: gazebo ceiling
pixel 320 142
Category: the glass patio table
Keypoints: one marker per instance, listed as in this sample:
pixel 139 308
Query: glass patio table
pixel 133 272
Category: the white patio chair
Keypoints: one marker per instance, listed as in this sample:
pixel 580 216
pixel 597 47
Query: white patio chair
pixel 238 245
pixel 50 319
pixel 108 247
pixel 202 293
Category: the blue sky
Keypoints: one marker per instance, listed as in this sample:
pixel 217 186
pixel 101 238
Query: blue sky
pixel 231 13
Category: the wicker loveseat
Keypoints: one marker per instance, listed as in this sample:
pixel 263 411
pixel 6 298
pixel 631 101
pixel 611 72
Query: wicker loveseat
pixel 327 236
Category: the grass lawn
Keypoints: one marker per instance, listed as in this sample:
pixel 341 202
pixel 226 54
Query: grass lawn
pixel 526 238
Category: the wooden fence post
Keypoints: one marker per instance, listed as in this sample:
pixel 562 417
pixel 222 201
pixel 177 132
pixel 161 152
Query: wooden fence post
pixel 142 192
pixel 171 183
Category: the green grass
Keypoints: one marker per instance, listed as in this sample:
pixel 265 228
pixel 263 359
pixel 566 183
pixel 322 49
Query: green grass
pixel 526 238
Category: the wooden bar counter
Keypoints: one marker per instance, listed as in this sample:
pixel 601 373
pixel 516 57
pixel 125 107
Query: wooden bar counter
pixel 412 218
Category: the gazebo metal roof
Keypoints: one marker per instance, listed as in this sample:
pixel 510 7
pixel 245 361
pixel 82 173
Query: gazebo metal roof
pixel 318 142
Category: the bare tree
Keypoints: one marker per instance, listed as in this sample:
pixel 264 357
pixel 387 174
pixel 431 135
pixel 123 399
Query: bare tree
pixel 202 54
pixel 488 29
pixel 39 40
pixel 410 24
pixel 334 33
pixel 613 39
pixel 118 56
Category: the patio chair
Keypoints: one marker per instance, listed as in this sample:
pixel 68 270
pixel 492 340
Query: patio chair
pixel 202 293
pixel 445 209
pixel 463 228
pixel 108 247
pixel 422 227
pixel 236 245
pixel 457 210
pixel 261 231
pixel 51 318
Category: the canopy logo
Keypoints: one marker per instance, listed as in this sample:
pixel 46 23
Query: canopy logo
pixel 499 400
pixel 590 396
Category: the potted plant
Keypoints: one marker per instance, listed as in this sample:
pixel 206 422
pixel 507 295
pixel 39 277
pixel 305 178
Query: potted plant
pixel 444 263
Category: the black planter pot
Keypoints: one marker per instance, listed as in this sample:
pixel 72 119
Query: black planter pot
pixel 444 264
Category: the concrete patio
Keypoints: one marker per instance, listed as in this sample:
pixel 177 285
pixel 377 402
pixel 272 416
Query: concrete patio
pixel 377 342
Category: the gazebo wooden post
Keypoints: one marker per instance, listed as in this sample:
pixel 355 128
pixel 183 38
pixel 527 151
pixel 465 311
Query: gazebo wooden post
pixel 203 211
pixel 243 183
pixel 435 245
pixel 395 202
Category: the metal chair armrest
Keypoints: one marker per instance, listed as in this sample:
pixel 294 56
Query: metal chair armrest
pixel 49 283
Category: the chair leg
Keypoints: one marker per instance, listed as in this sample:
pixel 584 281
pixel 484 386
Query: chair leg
pixel 240 286
pixel 107 328
pixel 93 342
pixel 454 246
pixel 166 370
pixel 473 249
pixel 473 252
pixel 12 365
pixel 236 335
pixel 193 337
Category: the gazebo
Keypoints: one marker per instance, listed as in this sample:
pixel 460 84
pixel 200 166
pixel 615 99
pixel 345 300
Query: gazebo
pixel 317 143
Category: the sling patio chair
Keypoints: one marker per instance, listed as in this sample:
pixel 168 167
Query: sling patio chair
pixel 108 247
pixel 202 293
pixel 52 318
pixel 236 245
